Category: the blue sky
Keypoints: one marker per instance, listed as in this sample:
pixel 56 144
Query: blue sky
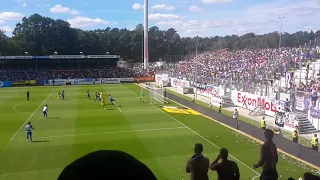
pixel 188 17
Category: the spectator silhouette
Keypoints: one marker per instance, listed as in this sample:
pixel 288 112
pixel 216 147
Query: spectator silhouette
pixel 104 165
pixel 310 176
pixel 198 165
pixel 226 169
pixel 268 158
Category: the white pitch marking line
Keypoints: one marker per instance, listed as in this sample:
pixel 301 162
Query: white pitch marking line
pixel 110 132
pixel 30 117
pixel 14 108
pixel 255 177
pixel 200 136
pixel 117 106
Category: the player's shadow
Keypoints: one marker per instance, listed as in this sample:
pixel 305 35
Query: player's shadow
pixel 53 117
pixel 40 141
pixel 110 109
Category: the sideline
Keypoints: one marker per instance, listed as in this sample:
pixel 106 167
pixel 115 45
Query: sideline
pixel 245 134
pixel 110 132
pixel 254 171
pixel 30 117
pixel 14 108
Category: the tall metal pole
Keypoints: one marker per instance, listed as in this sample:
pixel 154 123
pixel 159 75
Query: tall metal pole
pixel 280 31
pixel 196 73
pixel 146 50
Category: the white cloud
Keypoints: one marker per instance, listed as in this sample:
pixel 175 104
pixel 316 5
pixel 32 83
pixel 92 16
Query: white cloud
pixel 60 9
pixel 10 15
pixel 7 29
pixel 158 16
pixel 24 5
pixel 1 22
pixel 162 7
pixel 216 1
pixel 194 8
pixel 137 6
pixel 85 22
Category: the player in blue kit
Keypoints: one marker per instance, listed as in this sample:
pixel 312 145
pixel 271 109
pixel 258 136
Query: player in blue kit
pixel 97 96
pixel 111 100
pixel 88 94
pixel 62 94
pixel 45 111
pixel 29 129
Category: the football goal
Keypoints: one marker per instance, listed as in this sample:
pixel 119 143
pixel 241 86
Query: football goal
pixel 156 94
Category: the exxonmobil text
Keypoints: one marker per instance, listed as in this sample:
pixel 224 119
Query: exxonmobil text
pixel 247 100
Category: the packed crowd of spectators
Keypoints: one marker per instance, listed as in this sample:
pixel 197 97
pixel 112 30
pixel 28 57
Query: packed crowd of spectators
pixel 247 65
pixel 18 75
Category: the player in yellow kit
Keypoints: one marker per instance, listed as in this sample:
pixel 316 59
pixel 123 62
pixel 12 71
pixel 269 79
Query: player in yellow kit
pixel 103 103
pixel 59 96
pixel 101 96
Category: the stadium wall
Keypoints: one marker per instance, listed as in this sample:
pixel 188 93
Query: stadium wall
pixel 75 81
pixel 294 149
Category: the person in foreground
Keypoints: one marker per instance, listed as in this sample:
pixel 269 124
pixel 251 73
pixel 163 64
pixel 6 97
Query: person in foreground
pixel 198 165
pixel 268 158
pixel 106 165
pixel 226 169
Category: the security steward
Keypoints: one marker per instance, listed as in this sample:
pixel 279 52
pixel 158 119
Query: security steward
pixel 314 142
pixel 263 123
pixel 295 135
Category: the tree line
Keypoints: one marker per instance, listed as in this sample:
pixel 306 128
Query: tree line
pixel 40 35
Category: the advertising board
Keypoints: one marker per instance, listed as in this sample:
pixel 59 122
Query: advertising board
pixel 82 81
pixel 110 81
pixel 127 79
pixel 250 101
pixel 56 82
pixel 143 79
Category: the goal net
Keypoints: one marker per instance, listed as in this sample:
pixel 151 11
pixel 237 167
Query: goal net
pixel 156 95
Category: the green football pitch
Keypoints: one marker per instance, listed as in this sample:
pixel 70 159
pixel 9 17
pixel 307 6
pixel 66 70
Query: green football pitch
pixel 76 126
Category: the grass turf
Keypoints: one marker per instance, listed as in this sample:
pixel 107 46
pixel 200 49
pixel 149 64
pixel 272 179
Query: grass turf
pixel 76 126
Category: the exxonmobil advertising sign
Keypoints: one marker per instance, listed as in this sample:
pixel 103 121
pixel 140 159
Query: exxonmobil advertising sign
pixel 250 101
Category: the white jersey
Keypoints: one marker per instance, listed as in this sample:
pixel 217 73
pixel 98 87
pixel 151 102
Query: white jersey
pixel 28 128
pixel 45 109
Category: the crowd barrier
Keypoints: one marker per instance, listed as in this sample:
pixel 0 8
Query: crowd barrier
pixel 295 149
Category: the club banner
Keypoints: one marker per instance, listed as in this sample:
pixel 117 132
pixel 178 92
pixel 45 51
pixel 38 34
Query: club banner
pixel 179 83
pixel 215 101
pixel 187 90
pixel 198 85
pixel 315 113
pixel 110 81
pixel 278 119
pixel 285 120
pixel 314 117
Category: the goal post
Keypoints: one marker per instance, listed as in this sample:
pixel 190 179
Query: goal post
pixel 157 95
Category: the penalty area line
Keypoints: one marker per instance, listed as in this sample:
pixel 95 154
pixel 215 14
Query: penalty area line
pixel 117 106
pixel 110 132
pixel 30 117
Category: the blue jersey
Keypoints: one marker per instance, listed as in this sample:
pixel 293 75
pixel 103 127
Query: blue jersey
pixel 29 128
